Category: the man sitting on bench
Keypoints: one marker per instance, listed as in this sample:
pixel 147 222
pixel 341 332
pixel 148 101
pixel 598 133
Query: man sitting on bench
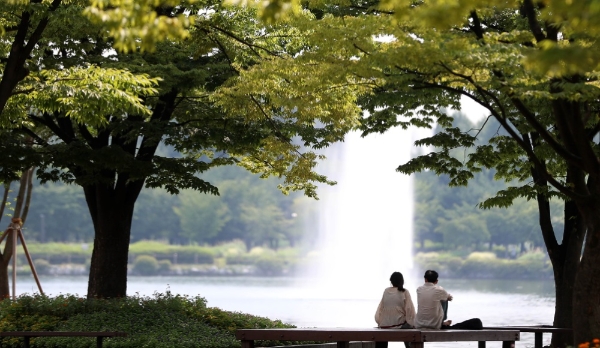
pixel 432 307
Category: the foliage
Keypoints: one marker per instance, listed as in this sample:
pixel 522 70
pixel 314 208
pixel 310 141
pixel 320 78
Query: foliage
pixel 95 117
pixel 449 216
pixel 162 320
pixel 57 253
pixel 485 265
pixel 164 266
pixel 201 217
pixel 58 212
pixel 42 266
pixel 270 265
pixel 141 24
pixel 185 254
pixel 145 265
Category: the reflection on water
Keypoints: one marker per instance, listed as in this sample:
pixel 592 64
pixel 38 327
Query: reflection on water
pixel 298 302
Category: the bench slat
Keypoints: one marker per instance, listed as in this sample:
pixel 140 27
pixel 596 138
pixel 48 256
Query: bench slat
pixel 395 335
pixel 469 335
pixel 542 329
pixel 330 335
pixel 62 334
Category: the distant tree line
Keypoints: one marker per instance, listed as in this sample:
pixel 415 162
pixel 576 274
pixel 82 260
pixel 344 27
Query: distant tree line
pixel 449 218
pixel 248 208
pixel 253 210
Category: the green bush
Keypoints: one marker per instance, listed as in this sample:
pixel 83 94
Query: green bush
pixel 42 266
pixel 485 265
pixel 145 265
pixel 190 254
pixel 161 321
pixel 480 268
pixel 241 259
pixel 446 263
pixel 230 248
pixel 270 265
pixel 164 266
pixel 57 253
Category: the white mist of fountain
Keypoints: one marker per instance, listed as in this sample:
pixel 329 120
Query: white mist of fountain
pixel 365 221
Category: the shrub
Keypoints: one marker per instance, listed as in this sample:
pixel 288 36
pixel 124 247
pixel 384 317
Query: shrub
pixel 57 253
pixel 447 264
pixel 42 266
pixel 145 265
pixel 241 259
pixel 180 253
pixel 164 266
pixel 230 248
pixel 269 265
pixel 161 321
pixel 482 265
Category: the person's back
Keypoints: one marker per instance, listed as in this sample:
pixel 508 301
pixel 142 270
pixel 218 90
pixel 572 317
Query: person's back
pixel 430 313
pixel 395 309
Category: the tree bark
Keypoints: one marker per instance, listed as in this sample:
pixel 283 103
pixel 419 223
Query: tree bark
pixel 5 257
pixel 565 261
pixel 112 213
pixel 586 291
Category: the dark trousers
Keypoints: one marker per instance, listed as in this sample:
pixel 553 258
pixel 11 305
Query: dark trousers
pixel 445 308
pixel 471 324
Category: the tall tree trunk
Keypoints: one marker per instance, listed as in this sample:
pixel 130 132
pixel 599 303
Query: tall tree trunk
pixel 586 292
pixel 565 262
pixel 564 256
pixel 5 257
pixel 112 212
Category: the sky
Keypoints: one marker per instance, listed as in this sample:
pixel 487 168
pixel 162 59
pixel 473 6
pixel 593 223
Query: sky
pixel 474 111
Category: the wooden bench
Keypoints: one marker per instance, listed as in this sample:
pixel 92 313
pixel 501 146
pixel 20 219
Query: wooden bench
pixel 537 330
pixel 343 336
pixel 28 334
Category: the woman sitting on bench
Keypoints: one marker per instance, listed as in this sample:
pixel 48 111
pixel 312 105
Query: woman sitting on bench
pixel 396 309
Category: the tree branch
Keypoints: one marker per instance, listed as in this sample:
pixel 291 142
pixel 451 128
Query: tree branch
pixel 529 12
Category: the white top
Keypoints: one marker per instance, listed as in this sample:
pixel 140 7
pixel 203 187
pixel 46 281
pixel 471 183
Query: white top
pixel 396 307
pixel 430 313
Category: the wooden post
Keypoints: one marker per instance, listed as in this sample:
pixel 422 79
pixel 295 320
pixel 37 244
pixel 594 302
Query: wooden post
pixel 15 228
pixel 508 344
pixel 14 255
pixel 35 276
pixel 247 343
pixel 538 339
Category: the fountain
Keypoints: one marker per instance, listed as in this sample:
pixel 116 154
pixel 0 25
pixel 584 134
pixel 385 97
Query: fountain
pixel 365 221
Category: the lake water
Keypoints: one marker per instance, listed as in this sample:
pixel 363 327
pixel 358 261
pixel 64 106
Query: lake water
pixel 302 303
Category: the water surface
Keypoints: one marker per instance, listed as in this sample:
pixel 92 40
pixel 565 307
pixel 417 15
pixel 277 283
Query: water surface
pixel 302 303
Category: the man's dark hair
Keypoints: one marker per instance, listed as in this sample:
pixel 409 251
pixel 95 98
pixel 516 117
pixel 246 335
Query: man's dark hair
pixel 431 276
